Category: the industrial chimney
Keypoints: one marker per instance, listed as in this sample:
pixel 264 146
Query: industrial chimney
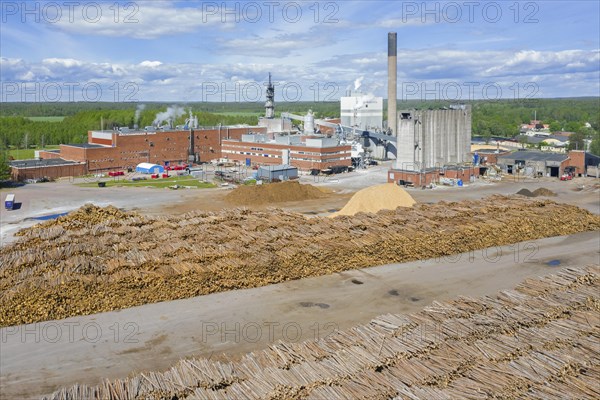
pixel 392 83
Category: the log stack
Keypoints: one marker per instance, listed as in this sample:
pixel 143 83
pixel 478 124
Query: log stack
pixel 538 341
pixel 102 259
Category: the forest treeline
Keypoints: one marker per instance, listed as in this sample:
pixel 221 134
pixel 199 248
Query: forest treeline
pixel 490 118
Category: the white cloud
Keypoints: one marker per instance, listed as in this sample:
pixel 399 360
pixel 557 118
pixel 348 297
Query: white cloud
pixel 141 20
pixel 531 62
pixel 399 23
pixel 565 73
pixel 151 64
pixel 63 62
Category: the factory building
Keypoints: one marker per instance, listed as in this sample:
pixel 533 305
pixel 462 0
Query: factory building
pixel 54 168
pixel 538 163
pixel 432 144
pixel 303 152
pixel 275 124
pixel 362 112
pixel 427 176
pixel 433 138
pixel 122 149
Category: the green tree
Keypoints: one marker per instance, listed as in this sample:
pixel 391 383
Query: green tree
pixel 555 126
pixel 595 146
pixel 577 141
pixel 573 126
pixel 4 166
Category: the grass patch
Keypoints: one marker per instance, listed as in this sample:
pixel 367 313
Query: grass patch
pixel 46 119
pixel 154 183
pixel 27 154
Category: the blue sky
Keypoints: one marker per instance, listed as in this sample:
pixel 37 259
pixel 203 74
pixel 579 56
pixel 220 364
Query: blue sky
pixel 316 50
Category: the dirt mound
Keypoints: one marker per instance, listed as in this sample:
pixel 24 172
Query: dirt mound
pixel 274 193
pixel 543 192
pixel 526 192
pixel 388 196
pixel 536 192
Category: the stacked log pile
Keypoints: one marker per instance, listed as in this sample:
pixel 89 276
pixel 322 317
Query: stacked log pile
pixel 538 341
pixel 103 259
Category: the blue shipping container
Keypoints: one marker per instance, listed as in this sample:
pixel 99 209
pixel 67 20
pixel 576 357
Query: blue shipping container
pixel 9 202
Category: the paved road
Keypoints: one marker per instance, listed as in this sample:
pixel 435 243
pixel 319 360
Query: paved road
pixel 39 358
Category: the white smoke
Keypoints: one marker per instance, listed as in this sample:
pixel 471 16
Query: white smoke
pixel 171 113
pixel 364 100
pixel 358 83
pixel 138 113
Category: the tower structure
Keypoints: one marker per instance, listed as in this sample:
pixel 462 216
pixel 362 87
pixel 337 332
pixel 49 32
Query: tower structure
pixel 270 103
pixel 392 82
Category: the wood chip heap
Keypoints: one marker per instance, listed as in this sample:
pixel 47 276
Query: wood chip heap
pixel 373 199
pixel 539 341
pixel 102 259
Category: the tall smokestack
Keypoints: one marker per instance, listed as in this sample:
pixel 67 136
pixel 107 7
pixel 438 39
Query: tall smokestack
pixel 392 82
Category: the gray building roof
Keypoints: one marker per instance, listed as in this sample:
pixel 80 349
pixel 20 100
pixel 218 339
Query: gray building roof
pixel 540 139
pixel 50 162
pixel 275 168
pixel 86 145
pixel 525 155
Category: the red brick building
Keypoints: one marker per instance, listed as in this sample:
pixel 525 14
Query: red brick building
pixel 432 175
pixel 303 152
pixel 489 157
pixel 107 150
pixel 51 168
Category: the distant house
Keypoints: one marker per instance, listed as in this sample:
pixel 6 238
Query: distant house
pixel 534 126
pixel 553 143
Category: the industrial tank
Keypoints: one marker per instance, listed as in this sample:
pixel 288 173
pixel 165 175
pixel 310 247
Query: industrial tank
pixel 309 123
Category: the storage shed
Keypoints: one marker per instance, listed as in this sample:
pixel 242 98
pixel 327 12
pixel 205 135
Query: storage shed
pixel 535 162
pixel 281 172
pixel 149 168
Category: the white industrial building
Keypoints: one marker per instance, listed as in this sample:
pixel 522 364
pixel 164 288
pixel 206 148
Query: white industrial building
pixel 433 138
pixel 363 112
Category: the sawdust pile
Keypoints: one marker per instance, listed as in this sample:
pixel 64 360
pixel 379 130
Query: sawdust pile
pixel 387 196
pixel 102 259
pixel 538 341
pixel 274 193
pixel 536 193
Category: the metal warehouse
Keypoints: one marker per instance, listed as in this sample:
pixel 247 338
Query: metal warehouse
pixel 535 162
pixel 280 172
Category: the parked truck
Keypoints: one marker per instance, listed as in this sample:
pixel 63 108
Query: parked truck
pixel 9 202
